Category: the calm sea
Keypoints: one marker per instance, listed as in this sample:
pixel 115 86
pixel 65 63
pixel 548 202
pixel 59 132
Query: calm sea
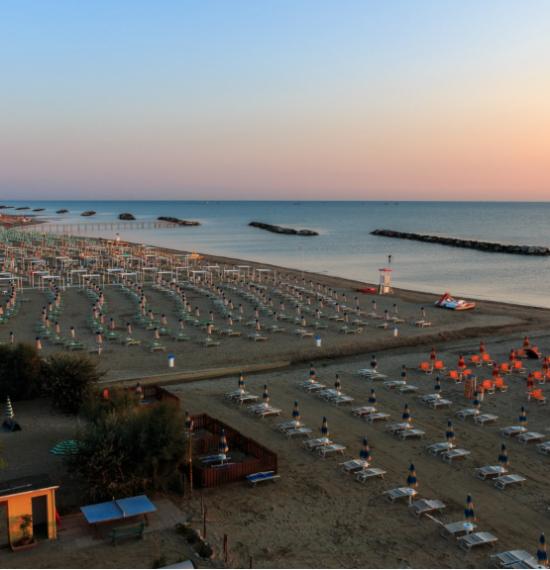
pixel 345 247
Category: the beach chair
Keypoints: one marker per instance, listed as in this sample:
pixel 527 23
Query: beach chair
pixel 487 386
pixel 438 403
pixel 476 539
pixel 483 419
pixel 513 431
pixel 475 360
pixel 261 477
pixel 505 481
pixel 290 424
pixel 518 368
pixel 504 368
pixel 467 413
pixel 426 506
pixel 257 337
pixel 407 388
pixel 156 346
pixel 371 374
pixel 413 433
pixel 376 417
pixel 267 411
pixel 536 395
pixel 425 367
pixel 342 399
pixel 371 473
pixel 313 444
pixel 455 376
pixel 354 465
pixel 544 448
pixel 395 428
pixel 363 411
pixel 439 366
pixel 331 449
pixel 392 384
pixel 487 360
pixel 436 449
pixel 313 386
pixel 500 385
pixel 401 493
pixel 530 437
pixel 454 455
pixel 516 559
pixel 490 472
pixel 456 529
pixel 298 432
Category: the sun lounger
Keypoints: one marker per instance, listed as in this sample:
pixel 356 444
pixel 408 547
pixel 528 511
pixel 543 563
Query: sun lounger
pixel 371 373
pixel 363 411
pixel 372 472
pixel 401 493
pixel 313 444
pixel 544 448
pixel 342 399
pixel 530 437
pixel 456 529
pixel 407 389
pixel 397 427
pixel 376 417
pixel 454 454
pixel 505 481
pixel 297 432
pixel 413 433
pixel 483 419
pixel 313 386
pixel 262 476
pixel 257 337
pixel 331 449
pixel 512 431
pixel 391 384
pixel 490 472
pixel 436 449
pixel 476 539
pixel 268 411
pixel 245 399
pixel 437 403
pixel 217 458
pixel 426 506
pixel 516 559
pixel 467 413
pixel 354 465
pixel 290 424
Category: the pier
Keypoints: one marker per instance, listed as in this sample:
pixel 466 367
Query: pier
pixel 76 228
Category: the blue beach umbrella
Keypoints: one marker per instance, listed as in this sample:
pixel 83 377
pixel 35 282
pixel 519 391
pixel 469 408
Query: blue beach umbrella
pixel 364 454
pixel 503 456
pixel 324 427
pixel 372 397
pixel 542 554
pixel 411 478
pixel 469 513
pixel 450 433
pixel 523 417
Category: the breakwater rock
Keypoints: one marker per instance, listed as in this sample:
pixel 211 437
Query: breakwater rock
pixel 88 213
pixel 178 221
pixel 488 246
pixel 126 216
pixel 281 230
pixel 62 211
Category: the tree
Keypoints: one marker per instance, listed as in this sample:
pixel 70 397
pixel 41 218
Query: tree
pixel 69 381
pixel 21 372
pixel 128 449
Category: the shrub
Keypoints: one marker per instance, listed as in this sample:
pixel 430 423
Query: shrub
pixel 21 372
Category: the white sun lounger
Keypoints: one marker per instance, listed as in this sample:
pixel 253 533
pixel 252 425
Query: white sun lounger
pixel 516 559
pixel 391 384
pixel 530 437
pixel 512 431
pixel 440 403
pixel 396 428
pixel 297 432
pixel 290 424
pixel 371 374
pixel 313 386
pixel 331 449
pixel 269 411
pixel 312 444
pixel 401 493
pixel 467 413
pixel 476 539
pixel 245 399
pixel 456 529
pixel 483 419
pixel 363 411
pixel 490 472
pixel 438 448
pixel 505 481
pixel 342 399
pixel 371 473
pixel 544 448
pixel 454 454
pixel 376 417
pixel 426 506
pixel 413 433
pixel 407 389
pixel 354 465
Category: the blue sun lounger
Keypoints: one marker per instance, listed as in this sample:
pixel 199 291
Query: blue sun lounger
pixel 255 478
pixel 118 510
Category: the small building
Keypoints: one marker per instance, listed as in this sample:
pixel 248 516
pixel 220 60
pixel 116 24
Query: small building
pixel 27 509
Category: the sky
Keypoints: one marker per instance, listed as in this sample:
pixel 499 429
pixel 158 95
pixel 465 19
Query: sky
pixel 308 99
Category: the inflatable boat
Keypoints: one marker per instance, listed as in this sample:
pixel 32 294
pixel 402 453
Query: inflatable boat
pixel 448 302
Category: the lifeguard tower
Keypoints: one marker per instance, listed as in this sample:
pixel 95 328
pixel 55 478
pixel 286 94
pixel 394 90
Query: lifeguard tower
pixel 384 287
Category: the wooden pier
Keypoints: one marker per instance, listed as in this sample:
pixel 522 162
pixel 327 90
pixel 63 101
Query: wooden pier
pixel 76 228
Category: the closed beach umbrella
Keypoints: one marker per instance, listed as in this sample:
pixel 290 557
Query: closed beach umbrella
pixel 406 416
pixel 8 413
pixel 296 413
pixel 476 402
pixel 411 477
pixel 337 384
pixel 265 395
pixel 450 433
pixel 481 347
pixel 372 397
pixel 241 383
pixel 437 385
pixel 461 362
pixel 542 554
pixel 373 362
pixel 324 427
pixel 404 373
pixel 469 514
pixel 312 371
pixel 223 448
pixel 523 417
pixel 503 456
pixel 364 454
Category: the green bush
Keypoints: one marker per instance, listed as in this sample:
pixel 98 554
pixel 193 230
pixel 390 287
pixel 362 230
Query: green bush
pixel 21 372
pixel 69 381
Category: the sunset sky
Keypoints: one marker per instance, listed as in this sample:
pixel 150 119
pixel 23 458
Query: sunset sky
pixel 269 99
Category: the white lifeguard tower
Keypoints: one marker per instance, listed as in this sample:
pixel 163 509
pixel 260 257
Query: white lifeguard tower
pixel 384 286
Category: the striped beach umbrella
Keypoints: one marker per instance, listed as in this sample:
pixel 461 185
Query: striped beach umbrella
pixel 364 454
pixel 469 513
pixel 324 427
pixel 542 554
pixel 450 433
pixel 296 413
pixel 523 417
pixel 503 456
pixel 372 397
pixel 337 383
pixel 223 448
pixel 8 413
pixel 411 477
pixel 406 416
pixel 265 395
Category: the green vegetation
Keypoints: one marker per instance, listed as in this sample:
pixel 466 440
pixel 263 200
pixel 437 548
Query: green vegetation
pixel 21 372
